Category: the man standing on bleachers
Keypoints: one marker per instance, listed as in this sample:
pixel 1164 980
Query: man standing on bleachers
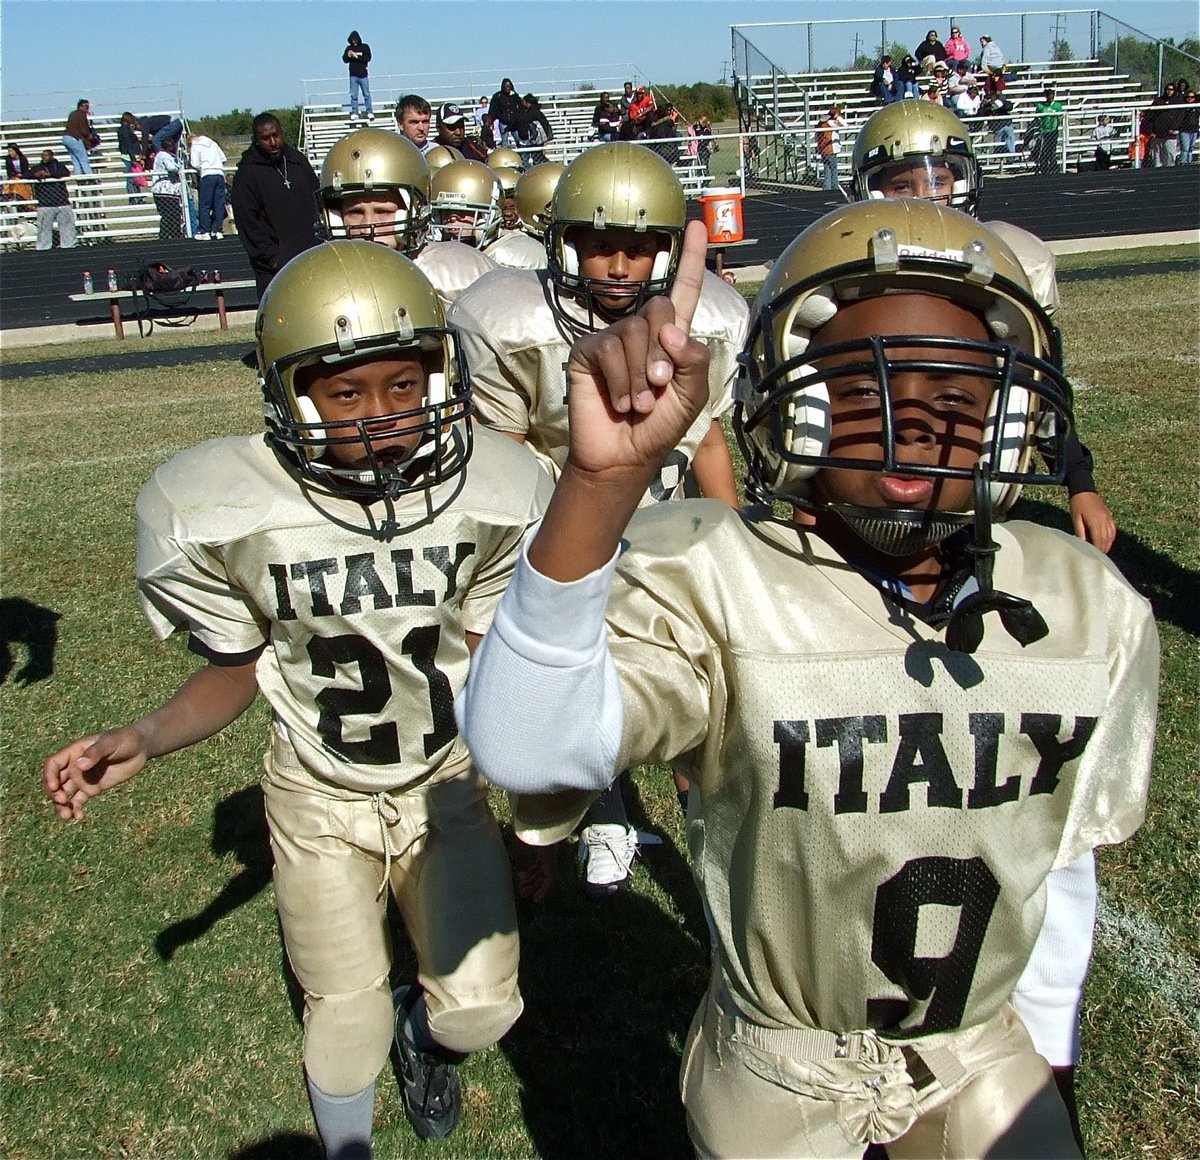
pixel 53 202
pixel 274 201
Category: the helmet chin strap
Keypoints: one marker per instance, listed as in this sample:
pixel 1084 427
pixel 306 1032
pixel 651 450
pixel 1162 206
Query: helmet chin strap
pixel 1021 620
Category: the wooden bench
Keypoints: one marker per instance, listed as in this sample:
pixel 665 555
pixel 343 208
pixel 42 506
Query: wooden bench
pixel 115 297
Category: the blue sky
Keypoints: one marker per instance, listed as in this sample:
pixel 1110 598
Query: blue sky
pixel 225 54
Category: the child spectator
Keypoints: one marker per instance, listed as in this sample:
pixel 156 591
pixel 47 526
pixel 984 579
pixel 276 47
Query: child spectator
pixel 330 586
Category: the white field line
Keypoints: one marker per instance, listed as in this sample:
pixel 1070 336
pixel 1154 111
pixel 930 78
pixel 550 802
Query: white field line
pixel 1145 954
pixel 124 405
pixel 162 453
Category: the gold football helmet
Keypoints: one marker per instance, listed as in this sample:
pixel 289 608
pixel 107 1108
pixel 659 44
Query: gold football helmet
pixel 506 158
pixel 619 185
pixel 535 191
pixel 904 149
pixel 440 156
pixel 346 302
pixel 375 162
pixel 782 415
pixel 508 178
pixel 465 201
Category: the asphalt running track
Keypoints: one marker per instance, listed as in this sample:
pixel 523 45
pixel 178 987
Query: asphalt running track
pixel 239 351
pixel 34 286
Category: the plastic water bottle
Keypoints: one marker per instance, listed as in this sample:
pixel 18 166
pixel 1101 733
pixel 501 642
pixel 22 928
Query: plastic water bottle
pixel 112 281
pixel 88 288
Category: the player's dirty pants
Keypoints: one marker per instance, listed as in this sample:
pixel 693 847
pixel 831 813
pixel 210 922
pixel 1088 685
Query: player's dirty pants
pixel 448 871
pixel 754 1091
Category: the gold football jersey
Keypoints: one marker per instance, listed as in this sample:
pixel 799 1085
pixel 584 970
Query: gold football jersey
pixel 517 349
pixel 452 267
pixel 358 615
pixel 517 250
pixel 876 815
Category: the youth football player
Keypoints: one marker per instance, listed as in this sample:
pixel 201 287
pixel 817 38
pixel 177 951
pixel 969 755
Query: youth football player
pixel 919 149
pixel 905 719
pixel 613 232
pixel 345 567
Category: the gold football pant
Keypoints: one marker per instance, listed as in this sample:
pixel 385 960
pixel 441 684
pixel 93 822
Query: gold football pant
pixel 438 849
pixel 752 1091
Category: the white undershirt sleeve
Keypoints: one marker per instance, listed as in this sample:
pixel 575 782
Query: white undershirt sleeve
pixel 542 711
pixel 1049 993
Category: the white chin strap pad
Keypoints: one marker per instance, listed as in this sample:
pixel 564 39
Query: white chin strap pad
pixel 809 430
pixel 310 414
pixel 662 263
pixel 570 259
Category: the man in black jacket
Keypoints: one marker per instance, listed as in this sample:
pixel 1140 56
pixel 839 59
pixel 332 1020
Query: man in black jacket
pixel 274 201
pixel 503 113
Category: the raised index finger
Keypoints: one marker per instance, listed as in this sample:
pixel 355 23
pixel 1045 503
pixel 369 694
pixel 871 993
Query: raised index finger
pixel 689 277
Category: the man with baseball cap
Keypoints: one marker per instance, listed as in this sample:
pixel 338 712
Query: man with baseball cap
pixel 452 132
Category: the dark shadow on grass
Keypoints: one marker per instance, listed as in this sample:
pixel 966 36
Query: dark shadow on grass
pixel 25 623
pixel 239 828
pixel 282 1146
pixel 1173 590
pixel 609 988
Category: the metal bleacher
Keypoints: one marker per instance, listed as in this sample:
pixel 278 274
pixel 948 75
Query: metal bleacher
pixel 569 113
pixel 793 104
pixel 104 208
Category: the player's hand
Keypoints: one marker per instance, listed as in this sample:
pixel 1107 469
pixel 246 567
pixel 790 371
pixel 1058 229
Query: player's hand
pixel 1092 520
pixel 90 766
pixel 636 387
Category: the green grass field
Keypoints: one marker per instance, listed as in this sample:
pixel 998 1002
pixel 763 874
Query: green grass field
pixel 146 1011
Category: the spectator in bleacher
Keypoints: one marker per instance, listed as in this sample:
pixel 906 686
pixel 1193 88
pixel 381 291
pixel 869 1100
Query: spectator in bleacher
pixel 208 160
pixel 626 100
pixel 640 112
pixel 1102 135
pixel 606 118
pixel 906 78
pixel 1048 113
pixel 959 81
pixel 53 202
pixel 481 112
pixel 167 189
pixel 997 108
pixel 503 110
pixel 171 131
pixel 884 86
pixel 933 91
pixel 829 144
pixel 17 176
pixel 991 64
pixel 1189 126
pixel 705 145
pixel 129 145
pixel 357 57
pixel 79 136
pixel 274 200
pixel 533 128
pixel 664 128
pixel 967 104
pixel 940 78
pixel 956 47
pixel 930 51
